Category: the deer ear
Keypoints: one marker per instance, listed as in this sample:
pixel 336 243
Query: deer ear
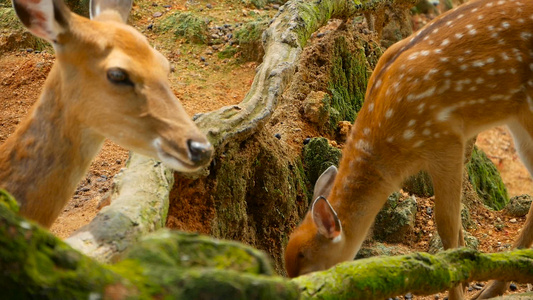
pixel 121 8
pixel 326 219
pixel 46 19
pixel 324 183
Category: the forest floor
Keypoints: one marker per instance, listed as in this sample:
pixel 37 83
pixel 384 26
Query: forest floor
pixel 204 82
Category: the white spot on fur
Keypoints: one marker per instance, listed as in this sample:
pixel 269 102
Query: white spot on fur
pixel 421 107
pixel 366 131
pixel 390 139
pixel 506 25
pixel 459 35
pixel 408 134
pixel 411 123
pixel 427 93
pixel 444 114
pixel 478 64
pixel 363 146
pixel 371 106
pixel 445 42
pixel 525 35
pixel 529 102
pixel 426 131
pixel 389 113
pixel 447 73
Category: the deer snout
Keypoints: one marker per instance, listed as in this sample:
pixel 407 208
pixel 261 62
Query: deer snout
pixel 199 152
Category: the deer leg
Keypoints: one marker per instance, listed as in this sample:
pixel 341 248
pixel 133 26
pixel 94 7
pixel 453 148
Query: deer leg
pixel 522 131
pixel 446 174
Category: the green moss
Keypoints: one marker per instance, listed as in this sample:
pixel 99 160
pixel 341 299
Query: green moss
pixel 419 185
pixel 486 180
pixel 80 7
pixel 318 155
pixel 249 39
pixel 35 264
pixel 396 219
pixel 348 80
pixel 183 250
pixel 227 52
pixel 185 25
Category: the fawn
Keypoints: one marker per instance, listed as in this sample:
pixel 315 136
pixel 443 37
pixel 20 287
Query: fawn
pixel 107 81
pixel 466 71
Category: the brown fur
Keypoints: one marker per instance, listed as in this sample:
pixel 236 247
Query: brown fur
pixel 49 153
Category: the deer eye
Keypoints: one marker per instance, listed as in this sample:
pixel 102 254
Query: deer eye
pixel 118 76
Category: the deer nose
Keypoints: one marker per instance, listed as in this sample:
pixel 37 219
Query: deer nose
pixel 199 153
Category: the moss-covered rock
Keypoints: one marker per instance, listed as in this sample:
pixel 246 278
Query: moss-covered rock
pixel 435 244
pixel 518 206
pixel 486 180
pixel 249 39
pixel 419 185
pixel 396 219
pixel 80 7
pixel 316 108
pixel 348 81
pixel 318 155
pixel 380 249
pixel 185 25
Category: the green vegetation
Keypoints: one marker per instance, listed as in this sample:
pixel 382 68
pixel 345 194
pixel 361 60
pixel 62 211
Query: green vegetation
pixel 486 180
pixel 185 25
pixel 318 155
pixel 249 39
pixel 419 185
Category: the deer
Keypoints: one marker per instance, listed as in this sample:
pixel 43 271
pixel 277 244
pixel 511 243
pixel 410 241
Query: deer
pixel 466 71
pixel 106 82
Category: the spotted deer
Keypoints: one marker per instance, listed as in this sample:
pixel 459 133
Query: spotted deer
pixel 466 71
pixel 107 82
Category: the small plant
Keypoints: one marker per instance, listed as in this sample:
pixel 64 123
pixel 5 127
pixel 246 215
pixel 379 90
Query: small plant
pixel 186 25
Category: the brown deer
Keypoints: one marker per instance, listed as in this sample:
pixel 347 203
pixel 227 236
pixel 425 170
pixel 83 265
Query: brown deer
pixel 107 82
pixel 466 71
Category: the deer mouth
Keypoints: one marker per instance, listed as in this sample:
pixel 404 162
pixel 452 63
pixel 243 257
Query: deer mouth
pixel 174 159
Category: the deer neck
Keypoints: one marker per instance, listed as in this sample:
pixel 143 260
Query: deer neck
pixel 44 160
pixel 363 185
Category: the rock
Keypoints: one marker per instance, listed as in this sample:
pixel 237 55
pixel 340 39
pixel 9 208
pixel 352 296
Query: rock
pixel 379 249
pixel 518 206
pixel 314 108
pixel 157 14
pixel 435 244
pixel 306 141
pixel 277 135
pixel 345 128
pixel 318 155
pixel 486 180
pixel 396 220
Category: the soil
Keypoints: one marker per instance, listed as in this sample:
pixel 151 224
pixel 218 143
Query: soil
pixel 204 83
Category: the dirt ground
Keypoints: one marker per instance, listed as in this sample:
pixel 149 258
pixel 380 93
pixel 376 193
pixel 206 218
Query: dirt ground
pixel 210 86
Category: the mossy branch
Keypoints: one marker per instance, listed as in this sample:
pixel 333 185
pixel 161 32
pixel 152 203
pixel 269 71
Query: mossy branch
pixel 34 263
pixel 418 273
